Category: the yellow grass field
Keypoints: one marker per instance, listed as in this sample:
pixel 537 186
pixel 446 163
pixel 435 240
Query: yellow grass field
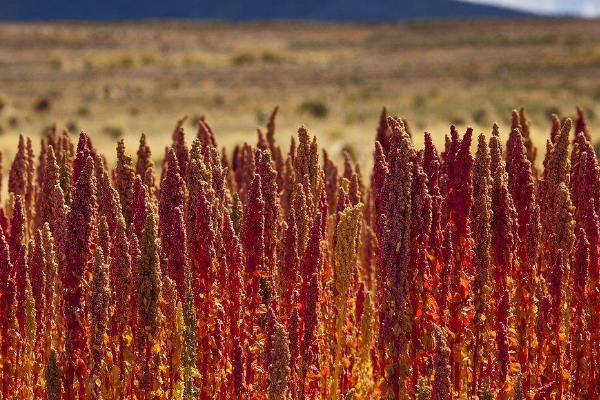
pixel 116 80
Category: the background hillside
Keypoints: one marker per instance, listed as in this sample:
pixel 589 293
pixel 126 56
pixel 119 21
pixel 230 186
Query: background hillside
pixel 246 10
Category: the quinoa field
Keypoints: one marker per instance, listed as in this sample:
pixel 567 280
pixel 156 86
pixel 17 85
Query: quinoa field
pixel 269 271
pixel 340 251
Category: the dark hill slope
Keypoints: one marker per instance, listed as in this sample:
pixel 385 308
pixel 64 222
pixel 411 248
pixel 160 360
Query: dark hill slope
pixel 247 10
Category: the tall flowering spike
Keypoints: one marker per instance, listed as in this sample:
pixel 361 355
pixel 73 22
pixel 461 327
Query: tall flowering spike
pixel 65 178
pixel 495 150
pixel 521 185
pixel 530 149
pixel 30 188
pixel 44 143
pixel 171 321
pixel 99 314
pixel 197 174
pixel 4 222
pixel 172 195
pixel 520 179
pixel 30 332
pixel 261 143
pixel 302 159
pixel 79 226
pixel 331 179
pixel 585 175
pixel 205 134
pixel 300 206
pixel 203 237
pixel 310 352
pixel 270 192
pixel 460 188
pixel 581 126
pixel 555 203
pixel 311 259
pixel 421 209
pixel 150 181
pixel 367 336
pixel 81 155
pixel 237 213
pixel 555 130
pixel 315 173
pixel 244 168
pixel 310 307
pixel 292 150
pixel 229 175
pixel 121 267
pixel 556 164
pixel 431 165
pixel 37 276
pixel 109 205
pixel 218 179
pixel 502 340
pixel 140 206
pixel 8 321
pixel 189 341
pixel 384 132
pixel 18 252
pixel 514 145
pixel 253 235
pixel 134 254
pixel 354 193
pixel 288 186
pixel 181 150
pixel 504 240
pixel 504 234
pixel 324 210
pixel 481 217
pixel 279 368
pixel 515 121
pixel 148 285
pixel 53 383
pixel 103 239
pixel 347 231
pixel 235 264
pixel 578 332
pixel 294 337
pixel 144 157
pixel 580 264
pixel 52 277
pixel 123 179
pixel 556 290
pixel 238 369
pixel 50 206
pixel 271 129
pixel 441 388
pixel 348 166
pixel 290 273
pixel 378 177
pixel 17 177
pixel 592 230
pixel 271 320
pixel 178 262
pixel 398 191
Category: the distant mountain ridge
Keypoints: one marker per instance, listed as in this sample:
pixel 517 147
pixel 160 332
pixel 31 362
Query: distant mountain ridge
pixel 249 10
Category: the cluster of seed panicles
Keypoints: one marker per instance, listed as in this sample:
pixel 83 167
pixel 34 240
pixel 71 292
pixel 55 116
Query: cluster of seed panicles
pixel 280 275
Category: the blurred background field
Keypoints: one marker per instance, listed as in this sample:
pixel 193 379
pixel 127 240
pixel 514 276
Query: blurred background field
pixel 118 80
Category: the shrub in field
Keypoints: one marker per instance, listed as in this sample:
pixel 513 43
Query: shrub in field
pixel 274 273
